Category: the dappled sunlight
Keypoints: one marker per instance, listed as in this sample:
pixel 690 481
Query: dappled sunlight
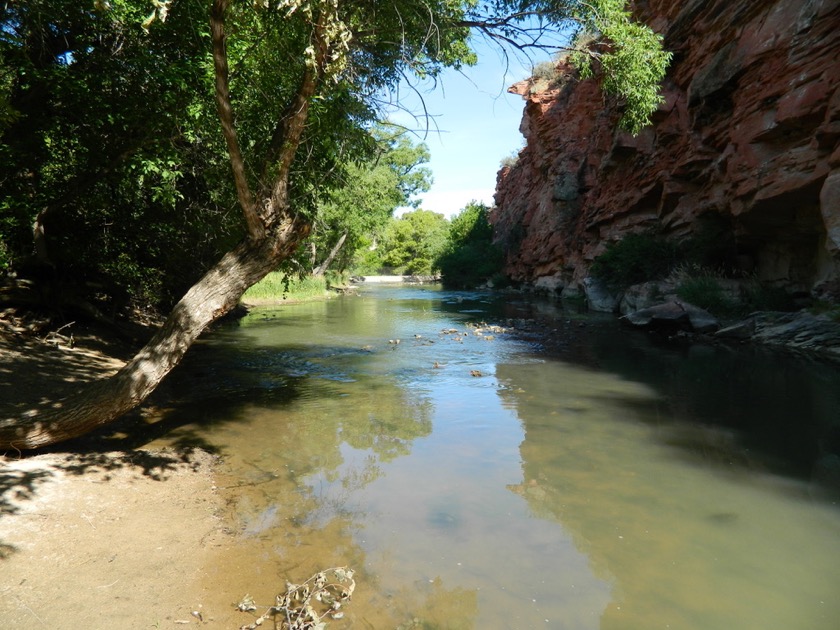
pixel 53 371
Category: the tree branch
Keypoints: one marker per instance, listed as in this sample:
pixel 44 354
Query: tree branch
pixel 256 229
pixel 294 122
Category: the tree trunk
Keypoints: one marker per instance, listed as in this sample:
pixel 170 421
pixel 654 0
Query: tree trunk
pixel 322 268
pixel 39 240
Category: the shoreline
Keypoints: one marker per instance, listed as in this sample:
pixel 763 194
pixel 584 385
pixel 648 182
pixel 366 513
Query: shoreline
pixel 95 538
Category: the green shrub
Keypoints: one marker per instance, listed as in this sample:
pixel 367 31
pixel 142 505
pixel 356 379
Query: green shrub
pixel 366 262
pixel 5 257
pixel 706 292
pixel 761 297
pixel 712 245
pixel 635 258
pixel 500 281
pixel 336 278
pixel 470 257
pixel 544 71
pixel 470 265
pixel 509 161
pixel 829 309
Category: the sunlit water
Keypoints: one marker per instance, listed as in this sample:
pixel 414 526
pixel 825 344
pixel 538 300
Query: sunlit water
pixel 475 482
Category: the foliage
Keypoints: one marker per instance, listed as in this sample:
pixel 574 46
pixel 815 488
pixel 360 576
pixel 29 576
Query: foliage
pixel 698 266
pixel 470 257
pixel 105 114
pixel 760 296
pixel 357 211
pixel 367 259
pixel 306 606
pixel 109 144
pixel 278 286
pixel 509 161
pixel 413 243
pixel 711 245
pixel 110 134
pixel 828 309
pixel 704 288
pixel 706 292
pixel 543 76
pixel 635 258
pixel 630 55
pixel 545 70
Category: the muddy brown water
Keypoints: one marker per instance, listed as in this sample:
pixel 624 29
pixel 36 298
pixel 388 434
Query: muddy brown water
pixel 474 480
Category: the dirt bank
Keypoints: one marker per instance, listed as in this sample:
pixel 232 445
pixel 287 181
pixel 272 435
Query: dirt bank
pixel 98 539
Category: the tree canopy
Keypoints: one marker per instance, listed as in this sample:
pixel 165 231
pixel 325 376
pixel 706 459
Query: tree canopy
pixel 413 243
pixel 470 257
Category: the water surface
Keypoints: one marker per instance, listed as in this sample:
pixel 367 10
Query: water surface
pixel 474 481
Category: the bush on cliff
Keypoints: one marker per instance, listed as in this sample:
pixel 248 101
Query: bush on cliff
pixel 635 258
pixel 705 291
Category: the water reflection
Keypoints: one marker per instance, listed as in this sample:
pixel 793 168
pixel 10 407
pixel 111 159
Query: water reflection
pixel 690 544
pixel 584 490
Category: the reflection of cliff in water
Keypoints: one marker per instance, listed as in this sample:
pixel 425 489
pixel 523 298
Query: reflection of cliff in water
pixel 769 406
pixel 665 506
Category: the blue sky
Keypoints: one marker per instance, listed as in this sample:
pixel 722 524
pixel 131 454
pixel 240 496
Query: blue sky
pixel 476 125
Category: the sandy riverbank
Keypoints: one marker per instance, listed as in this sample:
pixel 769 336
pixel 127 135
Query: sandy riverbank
pixel 98 540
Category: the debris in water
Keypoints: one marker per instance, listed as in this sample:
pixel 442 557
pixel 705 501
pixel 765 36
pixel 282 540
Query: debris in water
pixel 305 606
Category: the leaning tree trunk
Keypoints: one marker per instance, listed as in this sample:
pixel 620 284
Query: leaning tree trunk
pixel 210 298
pixel 321 269
pixel 273 234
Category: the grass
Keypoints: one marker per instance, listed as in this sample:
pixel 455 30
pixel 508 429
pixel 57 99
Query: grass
pixel 277 286
pixel 829 309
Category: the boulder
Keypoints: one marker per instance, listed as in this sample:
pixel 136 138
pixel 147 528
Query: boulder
pixel 673 314
pixel 742 330
pixel 549 284
pixel 598 296
pixel 645 295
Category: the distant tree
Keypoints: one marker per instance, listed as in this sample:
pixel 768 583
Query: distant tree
pixel 470 257
pixel 412 243
pixel 356 213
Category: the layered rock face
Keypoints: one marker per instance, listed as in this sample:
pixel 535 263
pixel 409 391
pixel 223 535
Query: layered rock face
pixel 745 148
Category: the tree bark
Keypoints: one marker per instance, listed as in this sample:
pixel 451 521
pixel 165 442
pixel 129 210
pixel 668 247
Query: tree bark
pixel 273 233
pixel 225 111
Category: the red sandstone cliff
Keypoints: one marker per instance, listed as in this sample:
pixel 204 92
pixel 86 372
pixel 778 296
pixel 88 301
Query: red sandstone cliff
pixel 746 143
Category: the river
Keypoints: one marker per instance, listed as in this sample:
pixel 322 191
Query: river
pixel 476 480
